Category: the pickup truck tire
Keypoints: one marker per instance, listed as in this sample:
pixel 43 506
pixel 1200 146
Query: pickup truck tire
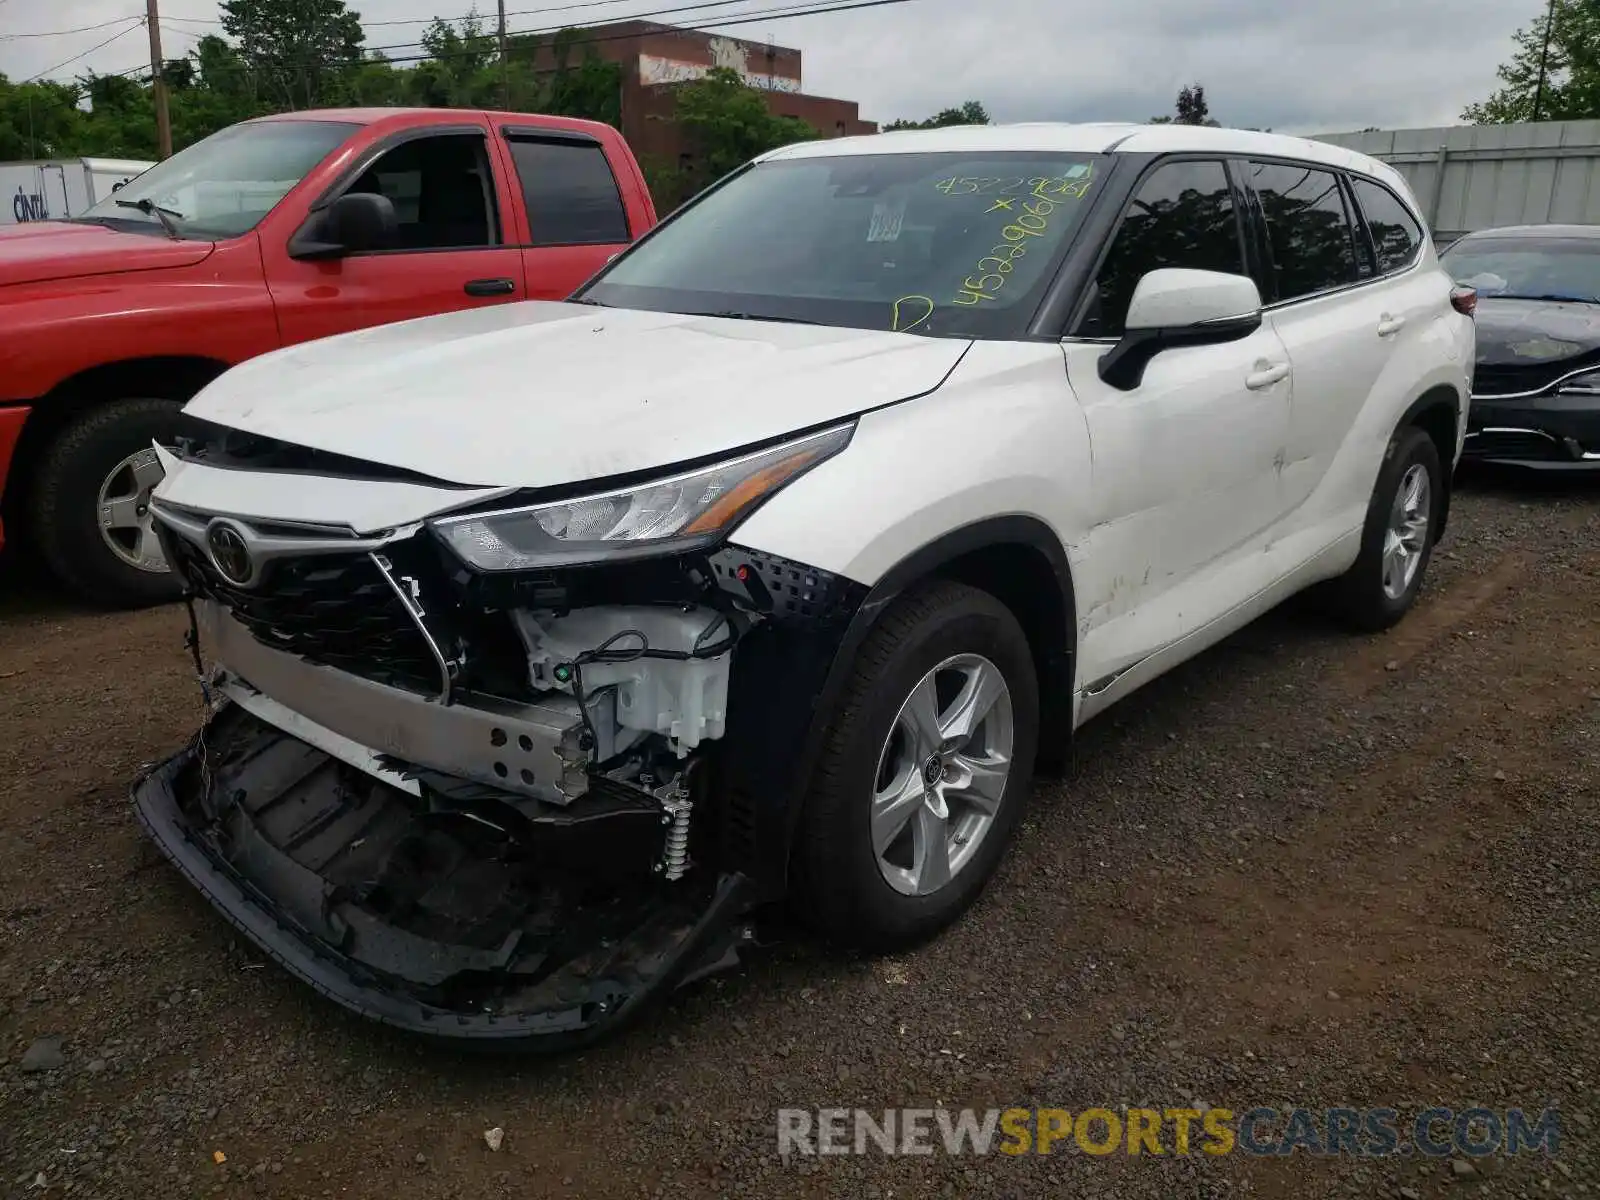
pixel 887 786
pixel 90 460
pixel 1397 540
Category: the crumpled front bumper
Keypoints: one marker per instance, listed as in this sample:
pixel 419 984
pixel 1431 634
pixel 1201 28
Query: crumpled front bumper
pixel 319 930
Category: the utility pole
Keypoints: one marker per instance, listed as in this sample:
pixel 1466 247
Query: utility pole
pixel 1544 59
pixel 505 63
pixel 152 20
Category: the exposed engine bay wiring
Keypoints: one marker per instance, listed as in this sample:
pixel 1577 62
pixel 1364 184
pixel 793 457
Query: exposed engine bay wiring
pixel 191 643
pixel 605 653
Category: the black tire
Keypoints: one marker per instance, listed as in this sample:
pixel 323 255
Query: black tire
pixel 839 889
pixel 65 525
pixel 1357 597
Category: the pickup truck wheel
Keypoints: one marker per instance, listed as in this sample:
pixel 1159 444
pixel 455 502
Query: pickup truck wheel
pixel 1397 540
pixel 923 773
pixel 90 503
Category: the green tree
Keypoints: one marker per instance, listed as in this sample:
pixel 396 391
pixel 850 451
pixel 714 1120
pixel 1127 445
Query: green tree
pixel 278 52
pixel 39 120
pixel 1571 70
pixel 726 123
pixel 1191 108
pixel 292 47
pixel 970 113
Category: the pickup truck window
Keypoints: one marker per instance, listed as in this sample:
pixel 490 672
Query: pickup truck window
pixel 948 244
pixel 223 185
pixel 442 190
pixel 571 194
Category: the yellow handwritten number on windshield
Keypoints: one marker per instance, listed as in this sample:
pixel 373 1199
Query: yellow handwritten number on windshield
pixel 1032 222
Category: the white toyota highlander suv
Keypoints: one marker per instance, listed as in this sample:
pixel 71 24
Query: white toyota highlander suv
pixel 548 641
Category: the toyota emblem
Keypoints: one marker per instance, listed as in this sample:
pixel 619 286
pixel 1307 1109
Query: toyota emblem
pixel 230 554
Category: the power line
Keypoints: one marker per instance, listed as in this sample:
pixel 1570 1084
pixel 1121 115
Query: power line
pixel 85 54
pixel 663 12
pixel 791 12
pixel 788 12
pixel 525 12
pixel 11 37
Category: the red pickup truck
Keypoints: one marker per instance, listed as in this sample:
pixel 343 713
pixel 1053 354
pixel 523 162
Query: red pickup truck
pixel 270 232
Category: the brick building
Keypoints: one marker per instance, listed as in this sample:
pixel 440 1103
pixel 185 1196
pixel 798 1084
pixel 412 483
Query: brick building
pixel 654 57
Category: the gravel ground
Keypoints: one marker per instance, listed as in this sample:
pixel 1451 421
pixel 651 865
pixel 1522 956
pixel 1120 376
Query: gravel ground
pixel 1304 870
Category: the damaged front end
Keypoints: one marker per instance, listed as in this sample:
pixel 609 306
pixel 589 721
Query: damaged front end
pixel 489 805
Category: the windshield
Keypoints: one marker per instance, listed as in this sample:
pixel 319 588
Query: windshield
pixel 1527 268
pixel 949 244
pixel 223 185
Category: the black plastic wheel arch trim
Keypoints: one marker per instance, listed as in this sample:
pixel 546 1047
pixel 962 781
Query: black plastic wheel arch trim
pixel 716 932
pixel 1437 397
pixel 771 867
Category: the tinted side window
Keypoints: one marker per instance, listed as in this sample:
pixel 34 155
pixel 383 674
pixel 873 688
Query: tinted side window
pixel 571 194
pixel 1313 243
pixel 441 189
pixel 1182 216
pixel 1395 232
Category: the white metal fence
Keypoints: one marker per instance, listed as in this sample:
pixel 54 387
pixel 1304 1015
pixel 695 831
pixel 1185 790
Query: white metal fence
pixel 1471 177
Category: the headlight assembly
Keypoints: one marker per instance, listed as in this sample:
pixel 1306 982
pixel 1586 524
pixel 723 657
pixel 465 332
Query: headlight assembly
pixel 659 516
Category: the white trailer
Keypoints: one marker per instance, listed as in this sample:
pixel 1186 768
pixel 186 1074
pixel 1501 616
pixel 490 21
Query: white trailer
pixel 50 189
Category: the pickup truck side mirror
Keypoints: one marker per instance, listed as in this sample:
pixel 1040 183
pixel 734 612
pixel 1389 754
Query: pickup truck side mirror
pixel 1173 307
pixel 355 223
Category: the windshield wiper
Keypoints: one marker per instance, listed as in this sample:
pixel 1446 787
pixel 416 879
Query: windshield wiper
pixel 151 209
pixel 745 316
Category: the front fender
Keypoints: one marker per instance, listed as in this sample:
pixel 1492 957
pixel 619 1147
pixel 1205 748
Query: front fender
pixel 1003 437
pixel 218 309
pixel 997 456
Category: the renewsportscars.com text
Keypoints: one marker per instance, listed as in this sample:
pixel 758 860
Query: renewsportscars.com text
pixel 1433 1132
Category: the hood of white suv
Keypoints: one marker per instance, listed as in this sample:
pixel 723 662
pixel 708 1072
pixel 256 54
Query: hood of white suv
pixel 546 394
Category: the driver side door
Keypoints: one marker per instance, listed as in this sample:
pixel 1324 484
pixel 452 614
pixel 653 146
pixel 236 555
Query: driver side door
pixel 1186 463
pixel 452 249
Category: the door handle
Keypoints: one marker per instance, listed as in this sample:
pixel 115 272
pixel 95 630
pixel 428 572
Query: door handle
pixel 490 287
pixel 1264 377
pixel 1389 326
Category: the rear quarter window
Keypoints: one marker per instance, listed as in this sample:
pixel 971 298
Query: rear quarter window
pixel 1396 236
pixel 571 194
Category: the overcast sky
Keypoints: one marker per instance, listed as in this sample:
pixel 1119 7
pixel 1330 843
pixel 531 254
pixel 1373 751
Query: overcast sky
pixel 1314 66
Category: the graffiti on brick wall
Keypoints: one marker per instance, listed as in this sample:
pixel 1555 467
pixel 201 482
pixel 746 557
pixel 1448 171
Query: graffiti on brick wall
pixel 725 52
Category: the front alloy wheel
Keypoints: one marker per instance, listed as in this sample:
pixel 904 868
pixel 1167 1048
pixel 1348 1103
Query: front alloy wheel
pixel 923 772
pixel 942 775
pixel 126 525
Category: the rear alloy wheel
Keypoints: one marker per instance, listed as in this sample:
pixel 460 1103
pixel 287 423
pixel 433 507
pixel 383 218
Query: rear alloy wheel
pixel 1405 542
pixel 1397 540
pixel 923 772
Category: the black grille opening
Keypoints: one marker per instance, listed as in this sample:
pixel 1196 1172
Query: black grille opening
pixel 333 609
pixel 1526 446
pixel 1517 380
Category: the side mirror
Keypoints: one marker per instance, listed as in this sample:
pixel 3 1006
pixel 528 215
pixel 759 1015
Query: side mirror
pixel 1172 307
pixel 355 223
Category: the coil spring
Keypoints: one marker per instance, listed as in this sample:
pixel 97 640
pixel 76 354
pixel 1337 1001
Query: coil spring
pixel 675 855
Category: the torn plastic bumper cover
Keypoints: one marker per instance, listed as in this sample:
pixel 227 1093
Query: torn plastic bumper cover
pixel 440 907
